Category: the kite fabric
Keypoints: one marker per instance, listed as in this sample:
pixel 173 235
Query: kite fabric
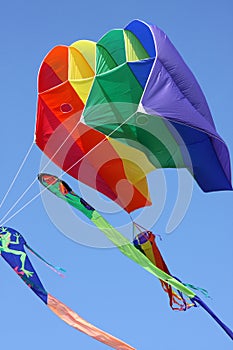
pixel 64 191
pixel 129 103
pixel 12 250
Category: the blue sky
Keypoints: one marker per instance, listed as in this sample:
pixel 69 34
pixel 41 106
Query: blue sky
pixel 102 285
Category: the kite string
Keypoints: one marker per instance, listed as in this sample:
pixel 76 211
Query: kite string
pixel 17 174
pixel 64 172
pixel 24 206
pixel 49 161
pixel 22 195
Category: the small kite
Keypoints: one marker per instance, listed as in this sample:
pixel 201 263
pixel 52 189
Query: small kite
pixel 144 251
pixel 12 250
pixel 145 242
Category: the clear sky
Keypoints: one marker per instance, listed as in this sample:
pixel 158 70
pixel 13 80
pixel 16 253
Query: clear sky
pixel 102 285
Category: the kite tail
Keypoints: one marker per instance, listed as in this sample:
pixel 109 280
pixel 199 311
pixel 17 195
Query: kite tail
pixel 56 269
pixel 212 314
pixel 77 322
pixel 202 290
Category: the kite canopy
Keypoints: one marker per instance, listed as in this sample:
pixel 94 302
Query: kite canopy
pixel 111 112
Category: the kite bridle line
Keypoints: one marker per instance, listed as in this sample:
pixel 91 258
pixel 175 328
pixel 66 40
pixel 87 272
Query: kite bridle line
pixel 17 174
pixel 25 158
pixel 63 173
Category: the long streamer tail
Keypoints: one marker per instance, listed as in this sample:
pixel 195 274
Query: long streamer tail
pixel 74 320
pixel 212 314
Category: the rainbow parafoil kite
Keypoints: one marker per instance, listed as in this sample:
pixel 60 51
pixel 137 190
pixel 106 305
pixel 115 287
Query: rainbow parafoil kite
pixel 111 112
